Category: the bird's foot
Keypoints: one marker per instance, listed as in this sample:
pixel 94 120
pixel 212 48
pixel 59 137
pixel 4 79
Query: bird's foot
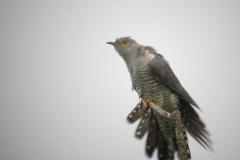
pixel 148 100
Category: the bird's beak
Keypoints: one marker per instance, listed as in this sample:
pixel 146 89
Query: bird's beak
pixel 113 43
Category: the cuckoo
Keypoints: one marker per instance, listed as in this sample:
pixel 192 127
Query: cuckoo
pixel 166 109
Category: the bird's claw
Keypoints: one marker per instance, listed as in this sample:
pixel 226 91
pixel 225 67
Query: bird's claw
pixel 148 100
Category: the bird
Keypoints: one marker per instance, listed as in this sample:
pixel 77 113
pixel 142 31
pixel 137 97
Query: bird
pixel 154 81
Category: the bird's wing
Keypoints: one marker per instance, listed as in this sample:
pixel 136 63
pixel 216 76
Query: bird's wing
pixel 162 71
pixel 192 122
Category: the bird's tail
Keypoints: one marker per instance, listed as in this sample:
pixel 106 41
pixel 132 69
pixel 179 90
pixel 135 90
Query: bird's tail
pixel 155 139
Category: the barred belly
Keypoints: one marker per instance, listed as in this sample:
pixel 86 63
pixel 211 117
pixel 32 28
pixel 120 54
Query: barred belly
pixel 147 85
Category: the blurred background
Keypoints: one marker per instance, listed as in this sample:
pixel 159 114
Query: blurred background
pixel 65 93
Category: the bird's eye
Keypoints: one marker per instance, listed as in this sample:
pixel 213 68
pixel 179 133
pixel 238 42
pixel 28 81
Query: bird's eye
pixel 124 42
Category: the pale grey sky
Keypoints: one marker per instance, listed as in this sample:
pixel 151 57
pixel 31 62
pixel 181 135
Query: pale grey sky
pixel 65 94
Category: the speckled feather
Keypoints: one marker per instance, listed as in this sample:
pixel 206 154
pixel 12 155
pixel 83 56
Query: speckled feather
pixel 136 113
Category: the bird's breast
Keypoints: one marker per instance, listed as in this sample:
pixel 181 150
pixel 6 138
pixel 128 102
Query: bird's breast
pixel 145 83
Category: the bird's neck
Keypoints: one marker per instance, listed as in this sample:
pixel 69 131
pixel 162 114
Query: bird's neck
pixel 132 54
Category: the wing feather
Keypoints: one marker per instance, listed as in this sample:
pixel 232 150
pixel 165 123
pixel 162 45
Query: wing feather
pixel 163 72
pixel 194 125
pixel 192 122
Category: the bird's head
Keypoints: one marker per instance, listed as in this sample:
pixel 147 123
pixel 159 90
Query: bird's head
pixel 123 45
pixel 127 47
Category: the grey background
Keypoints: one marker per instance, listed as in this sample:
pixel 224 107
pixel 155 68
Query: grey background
pixel 65 94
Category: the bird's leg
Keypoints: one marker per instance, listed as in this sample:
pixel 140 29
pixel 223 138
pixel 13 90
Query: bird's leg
pixel 148 100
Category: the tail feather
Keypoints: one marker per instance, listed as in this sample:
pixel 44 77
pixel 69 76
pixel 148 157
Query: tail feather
pixel 170 149
pixel 155 139
pixel 144 124
pixel 152 139
pixel 136 113
pixel 162 147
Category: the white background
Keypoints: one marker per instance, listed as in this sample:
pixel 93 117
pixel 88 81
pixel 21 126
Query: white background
pixel 65 93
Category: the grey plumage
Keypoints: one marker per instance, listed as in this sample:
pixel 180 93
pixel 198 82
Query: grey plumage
pixel 152 78
pixel 164 73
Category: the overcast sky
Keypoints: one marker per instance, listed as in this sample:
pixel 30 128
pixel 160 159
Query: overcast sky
pixel 65 94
